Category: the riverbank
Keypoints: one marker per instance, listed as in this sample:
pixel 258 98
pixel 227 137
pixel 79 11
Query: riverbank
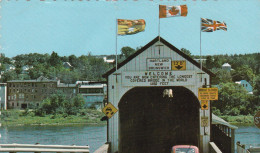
pixel 240 119
pixel 19 118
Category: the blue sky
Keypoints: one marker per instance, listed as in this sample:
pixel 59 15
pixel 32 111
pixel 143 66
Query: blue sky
pixel 78 27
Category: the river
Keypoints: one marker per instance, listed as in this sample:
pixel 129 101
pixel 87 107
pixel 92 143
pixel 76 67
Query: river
pixel 94 136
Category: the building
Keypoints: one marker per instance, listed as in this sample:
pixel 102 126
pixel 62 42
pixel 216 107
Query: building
pixel 108 60
pixel 22 94
pixel 67 65
pixel 26 68
pixel 246 85
pixel 3 99
pixel 93 93
pixel 9 67
pixel 226 67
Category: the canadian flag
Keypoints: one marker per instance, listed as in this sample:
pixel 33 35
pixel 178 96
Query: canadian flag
pixel 166 11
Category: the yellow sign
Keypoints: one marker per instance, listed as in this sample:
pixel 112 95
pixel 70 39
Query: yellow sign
pixel 178 65
pixel 109 110
pixel 204 121
pixel 204 105
pixel 208 94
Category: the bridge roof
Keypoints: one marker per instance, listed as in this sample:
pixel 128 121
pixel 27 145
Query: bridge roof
pixel 218 120
pixel 173 48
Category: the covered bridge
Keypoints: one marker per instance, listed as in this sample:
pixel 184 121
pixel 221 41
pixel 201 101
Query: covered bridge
pixel 156 93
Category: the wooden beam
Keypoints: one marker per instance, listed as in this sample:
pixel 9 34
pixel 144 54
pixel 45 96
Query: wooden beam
pixel 42 150
pixel 43 146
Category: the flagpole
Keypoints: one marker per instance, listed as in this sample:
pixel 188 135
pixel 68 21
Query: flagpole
pixel 116 43
pixel 159 28
pixel 200 52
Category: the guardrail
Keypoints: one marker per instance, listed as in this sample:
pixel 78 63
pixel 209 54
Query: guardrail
pixel 12 148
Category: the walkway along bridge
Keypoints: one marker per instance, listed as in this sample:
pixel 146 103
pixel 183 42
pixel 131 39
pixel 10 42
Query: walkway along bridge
pixel 156 93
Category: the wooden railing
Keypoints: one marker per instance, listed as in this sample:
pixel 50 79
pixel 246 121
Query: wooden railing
pixel 223 137
pixel 13 148
pixel 213 148
pixel 242 149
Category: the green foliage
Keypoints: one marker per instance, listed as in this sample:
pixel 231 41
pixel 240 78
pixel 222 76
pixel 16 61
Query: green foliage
pixel 59 104
pixel 55 60
pixel 234 100
pixel 127 51
pixel 186 51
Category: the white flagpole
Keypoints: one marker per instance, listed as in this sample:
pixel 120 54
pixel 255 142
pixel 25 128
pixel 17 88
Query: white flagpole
pixel 200 53
pixel 116 42
pixel 159 29
pixel 200 47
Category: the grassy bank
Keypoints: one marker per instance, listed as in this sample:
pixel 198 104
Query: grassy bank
pixel 241 119
pixel 17 117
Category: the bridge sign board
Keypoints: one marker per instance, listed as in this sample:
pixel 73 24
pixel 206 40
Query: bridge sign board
pixel 204 105
pixel 179 65
pixel 109 110
pixel 157 78
pixel 257 119
pixel 208 94
pixel 161 64
pixel 204 121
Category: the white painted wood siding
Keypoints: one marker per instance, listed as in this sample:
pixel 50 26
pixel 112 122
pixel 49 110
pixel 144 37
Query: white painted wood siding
pixel 116 90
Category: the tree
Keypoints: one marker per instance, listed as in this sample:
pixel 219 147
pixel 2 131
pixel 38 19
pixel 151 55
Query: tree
pixel 186 51
pixel 233 99
pixel 55 60
pixel 209 62
pixel 127 51
pixel 243 73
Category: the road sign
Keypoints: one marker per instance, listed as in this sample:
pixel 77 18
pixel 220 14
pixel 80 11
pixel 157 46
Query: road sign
pixel 208 94
pixel 109 110
pixel 257 119
pixel 204 121
pixel 178 65
pixel 204 105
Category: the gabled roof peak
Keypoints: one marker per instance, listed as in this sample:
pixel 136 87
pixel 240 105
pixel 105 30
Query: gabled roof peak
pixel 162 41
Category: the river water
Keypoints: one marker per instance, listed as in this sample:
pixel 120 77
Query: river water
pixel 94 136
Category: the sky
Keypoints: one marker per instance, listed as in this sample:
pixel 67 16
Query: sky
pixel 79 27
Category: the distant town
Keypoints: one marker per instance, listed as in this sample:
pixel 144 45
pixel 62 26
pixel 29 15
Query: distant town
pixel 26 80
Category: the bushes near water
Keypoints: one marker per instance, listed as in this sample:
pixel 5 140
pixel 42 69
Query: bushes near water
pixel 57 109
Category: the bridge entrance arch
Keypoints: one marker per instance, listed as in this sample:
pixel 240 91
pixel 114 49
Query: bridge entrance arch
pixel 135 87
pixel 153 122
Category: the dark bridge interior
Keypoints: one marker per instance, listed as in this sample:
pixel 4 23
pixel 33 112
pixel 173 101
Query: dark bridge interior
pixel 151 123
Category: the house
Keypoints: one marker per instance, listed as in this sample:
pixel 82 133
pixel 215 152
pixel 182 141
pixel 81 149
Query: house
pixel 3 99
pixel 93 93
pixel 108 60
pixel 26 68
pixel 226 67
pixel 246 85
pixel 9 67
pixel 67 65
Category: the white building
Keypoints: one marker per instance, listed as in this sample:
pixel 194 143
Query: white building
pixel 108 60
pixel 3 93
pixel 227 67
pixel 93 93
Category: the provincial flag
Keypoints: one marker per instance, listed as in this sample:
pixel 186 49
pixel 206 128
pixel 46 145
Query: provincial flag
pixel 208 25
pixel 166 11
pixel 129 27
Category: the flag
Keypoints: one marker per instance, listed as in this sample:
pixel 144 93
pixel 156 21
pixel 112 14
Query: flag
pixel 208 25
pixel 129 27
pixel 172 11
